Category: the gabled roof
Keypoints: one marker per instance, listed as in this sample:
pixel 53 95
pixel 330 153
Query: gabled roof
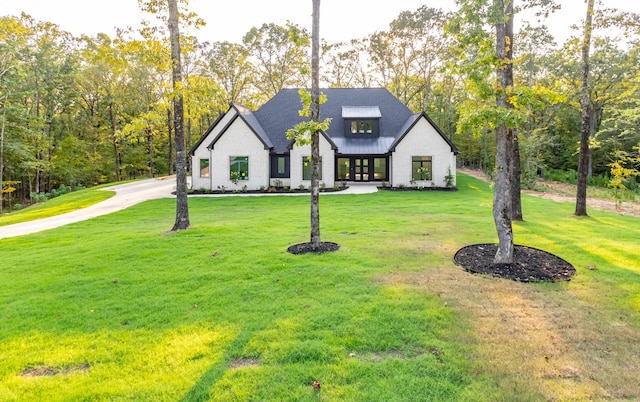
pixel 280 113
pixel 250 119
pixel 412 122
pixel 271 122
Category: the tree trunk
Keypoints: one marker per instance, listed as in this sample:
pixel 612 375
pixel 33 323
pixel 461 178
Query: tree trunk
pixel 169 129
pixel 150 152
pixel 182 203
pixel 315 116
pixel 502 201
pixel 4 117
pixel 114 137
pixel 516 173
pixel 583 161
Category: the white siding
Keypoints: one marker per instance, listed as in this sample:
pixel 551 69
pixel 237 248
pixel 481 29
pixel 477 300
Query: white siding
pixel 328 164
pixel 423 140
pixel 202 152
pixel 239 140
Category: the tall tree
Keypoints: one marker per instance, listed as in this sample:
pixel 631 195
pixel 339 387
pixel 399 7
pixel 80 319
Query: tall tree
pixel 308 132
pixel 228 63
pixel 583 161
pixel 315 117
pixel 502 202
pixel 279 57
pixel 182 203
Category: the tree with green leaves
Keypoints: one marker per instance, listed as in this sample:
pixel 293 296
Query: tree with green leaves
pixel 308 132
pixel 480 58
pixel 406 58
pixel 228 64
pixel 182 203
pixel 278 56
pixel 583 162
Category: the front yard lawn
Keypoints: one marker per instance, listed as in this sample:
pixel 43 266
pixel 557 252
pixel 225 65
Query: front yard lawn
pixel 116 308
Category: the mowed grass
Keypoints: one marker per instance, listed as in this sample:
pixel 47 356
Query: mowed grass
pixel 58 205
pixel 117 308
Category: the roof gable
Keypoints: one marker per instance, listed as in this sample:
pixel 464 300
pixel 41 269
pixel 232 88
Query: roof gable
pixel 411 122
pixel 250 120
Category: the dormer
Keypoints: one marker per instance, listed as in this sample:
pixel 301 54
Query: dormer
pixel 361 121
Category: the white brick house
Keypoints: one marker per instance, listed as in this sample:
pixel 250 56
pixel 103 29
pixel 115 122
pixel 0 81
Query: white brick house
pixel 372 137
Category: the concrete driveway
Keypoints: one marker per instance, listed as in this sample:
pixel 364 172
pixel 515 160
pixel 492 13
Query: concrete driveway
pixel 126 195
pixel 133 193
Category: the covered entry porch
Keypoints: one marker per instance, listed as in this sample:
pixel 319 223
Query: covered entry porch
pixel 362 168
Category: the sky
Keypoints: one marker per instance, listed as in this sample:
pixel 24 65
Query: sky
pixel 340 20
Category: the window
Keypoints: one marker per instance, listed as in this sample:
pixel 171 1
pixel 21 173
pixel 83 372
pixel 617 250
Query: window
pixel 282 165
pixel 380 168
pixel 362 127
pixel 421 168
pixel 343 168
pixel 204 167
pixel 239 167
pixel 306 168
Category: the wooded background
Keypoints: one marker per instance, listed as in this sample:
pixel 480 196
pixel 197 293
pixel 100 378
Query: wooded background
pixel 78 111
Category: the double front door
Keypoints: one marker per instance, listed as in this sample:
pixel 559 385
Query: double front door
pixel 362 168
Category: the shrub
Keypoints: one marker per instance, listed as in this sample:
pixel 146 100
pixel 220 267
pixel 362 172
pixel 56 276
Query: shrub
pixel 448 179
pixel 60 191
pixel 39 197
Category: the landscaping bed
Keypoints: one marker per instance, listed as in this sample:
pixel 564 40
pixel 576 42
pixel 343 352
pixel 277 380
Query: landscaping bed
pixel 530 264
pixel 270 190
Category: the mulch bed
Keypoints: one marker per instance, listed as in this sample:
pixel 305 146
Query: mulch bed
pixel 305 248
pixel 530 264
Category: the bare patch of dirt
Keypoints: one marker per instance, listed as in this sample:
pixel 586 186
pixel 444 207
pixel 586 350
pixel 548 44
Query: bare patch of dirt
pixel 564 192
pixel 244 362
pixel 49 371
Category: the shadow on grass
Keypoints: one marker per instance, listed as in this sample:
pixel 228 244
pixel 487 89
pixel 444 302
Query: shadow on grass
pixel 202 387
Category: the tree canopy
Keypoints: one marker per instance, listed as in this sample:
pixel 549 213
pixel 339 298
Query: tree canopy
pixel 78 111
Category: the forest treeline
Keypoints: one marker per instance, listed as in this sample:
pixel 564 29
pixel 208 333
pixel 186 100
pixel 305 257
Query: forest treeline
pixel 78 111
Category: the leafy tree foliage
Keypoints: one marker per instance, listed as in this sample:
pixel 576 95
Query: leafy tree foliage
pixel 82 111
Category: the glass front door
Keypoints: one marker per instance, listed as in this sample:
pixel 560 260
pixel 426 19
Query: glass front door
pixel 361 169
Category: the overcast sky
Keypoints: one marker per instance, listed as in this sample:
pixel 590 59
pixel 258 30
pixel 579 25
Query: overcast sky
pixel 340 20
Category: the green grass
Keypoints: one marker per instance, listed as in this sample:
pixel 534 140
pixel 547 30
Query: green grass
pixel 59 205
pixel 116 308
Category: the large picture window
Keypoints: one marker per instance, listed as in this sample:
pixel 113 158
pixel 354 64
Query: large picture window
pixel 421 168
pixel 239 167
pixel 380 168
pixel 204 167
pixel 306 168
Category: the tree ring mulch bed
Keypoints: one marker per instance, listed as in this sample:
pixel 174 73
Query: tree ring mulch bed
pixel 305 248
pixel 530 264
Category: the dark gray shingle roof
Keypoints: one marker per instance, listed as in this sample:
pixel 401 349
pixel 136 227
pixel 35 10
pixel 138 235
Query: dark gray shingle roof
pixel 271 122
pixel 281 113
